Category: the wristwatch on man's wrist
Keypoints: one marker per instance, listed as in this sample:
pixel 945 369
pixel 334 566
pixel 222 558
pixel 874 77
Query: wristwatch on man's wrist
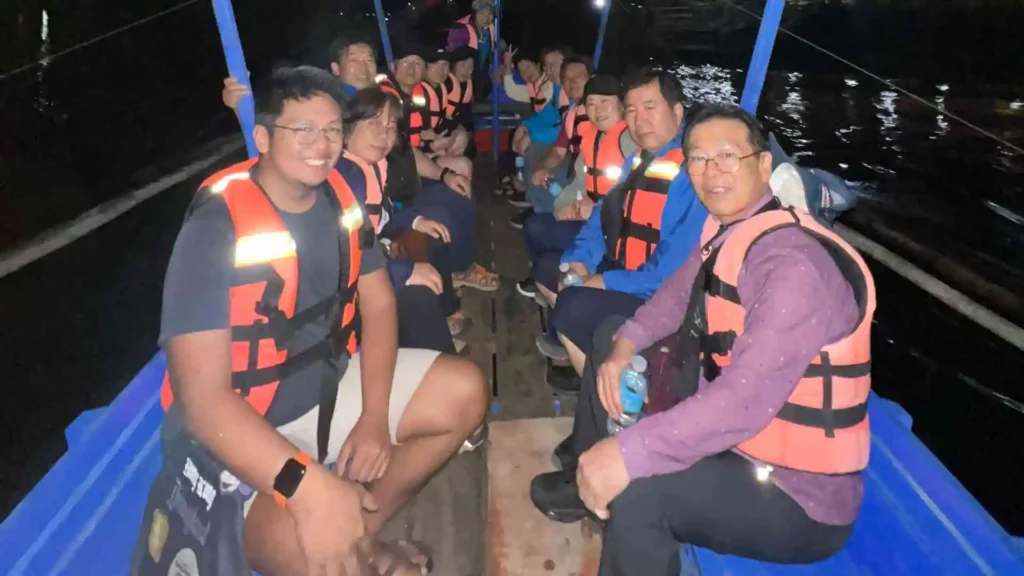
pixel 288 479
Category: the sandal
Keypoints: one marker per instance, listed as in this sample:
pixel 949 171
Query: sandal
pixel 400 558
pixel 459 323
pixel 476 277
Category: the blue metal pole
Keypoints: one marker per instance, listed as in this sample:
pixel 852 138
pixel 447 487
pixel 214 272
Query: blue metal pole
pixel 600 34
pixel 382 23
pixel 762 54
pixel 236 67
pixel 495 90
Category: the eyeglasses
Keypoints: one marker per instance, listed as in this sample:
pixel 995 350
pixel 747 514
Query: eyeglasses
pixel 308 134
pixel 727 162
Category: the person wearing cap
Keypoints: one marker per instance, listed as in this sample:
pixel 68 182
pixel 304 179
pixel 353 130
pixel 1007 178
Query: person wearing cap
pixel 640 231
pixel 757 433
pixel 459 88
pixel 476 30
pixel 547 235
pixel 435 89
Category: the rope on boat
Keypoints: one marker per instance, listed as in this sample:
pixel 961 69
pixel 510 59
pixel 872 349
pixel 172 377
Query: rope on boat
pixel 124 28
pixel 65 233
pixel 986 318
pixel 888 83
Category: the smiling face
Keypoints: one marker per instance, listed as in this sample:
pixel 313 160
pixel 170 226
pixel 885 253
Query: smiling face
pixel 284 148
pixel 528 70
pixel 372 139
pixel 356 67
pixel 437 72
pixel 728 173
pixel 652 121
pixel 484 18
pixel 604 111
pixel 409 72
pixel 574 80
pixel 463 70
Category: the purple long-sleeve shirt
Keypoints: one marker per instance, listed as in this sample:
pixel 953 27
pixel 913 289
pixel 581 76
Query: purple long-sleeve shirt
pixel 795 301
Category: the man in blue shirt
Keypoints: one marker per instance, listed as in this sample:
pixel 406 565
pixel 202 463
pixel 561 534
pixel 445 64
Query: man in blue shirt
pixel 640 232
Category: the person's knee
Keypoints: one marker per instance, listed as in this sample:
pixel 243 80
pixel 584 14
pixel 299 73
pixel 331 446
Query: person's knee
pixel 634 508
pixel 604 334
pixel 466 388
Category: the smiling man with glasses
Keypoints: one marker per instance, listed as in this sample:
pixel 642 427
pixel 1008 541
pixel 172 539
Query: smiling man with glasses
pixel 755 431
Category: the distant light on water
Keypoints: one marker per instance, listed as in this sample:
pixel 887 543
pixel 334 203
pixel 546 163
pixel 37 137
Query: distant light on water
pixel 44 33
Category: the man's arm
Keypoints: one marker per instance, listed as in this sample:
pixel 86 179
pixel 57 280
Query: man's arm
pixel 426 167
pixel 379 342
pixel 682 222
pixel 515 91
pixel 552 158
pixel 791 312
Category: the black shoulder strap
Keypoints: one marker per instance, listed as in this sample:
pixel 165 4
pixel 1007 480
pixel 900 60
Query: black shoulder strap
pixel 615 200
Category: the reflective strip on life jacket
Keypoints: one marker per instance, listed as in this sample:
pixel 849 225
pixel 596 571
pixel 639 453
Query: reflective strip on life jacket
pixel 378 205
pixel 645 201
pixel 388 86
pixel 602 157
pixel 262 314
pixel 823 427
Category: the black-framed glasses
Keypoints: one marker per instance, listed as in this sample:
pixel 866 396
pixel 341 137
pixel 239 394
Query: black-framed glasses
pixel 308 134
pixel 727 162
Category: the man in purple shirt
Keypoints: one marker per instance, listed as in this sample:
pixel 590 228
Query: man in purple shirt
pixel 676 476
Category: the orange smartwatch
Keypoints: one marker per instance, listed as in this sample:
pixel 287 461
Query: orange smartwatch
pixel 288 479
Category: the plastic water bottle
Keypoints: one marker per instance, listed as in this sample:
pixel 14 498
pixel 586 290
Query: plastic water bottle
pixel 568 278
pixel 555 188
pixel 632 391
pixel 520 163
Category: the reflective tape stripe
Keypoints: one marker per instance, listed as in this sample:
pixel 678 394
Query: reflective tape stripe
pixel 262 248
pixel 613 172
pixel 419 100
pixel 221 185
pixel 352 218
pixel 663 169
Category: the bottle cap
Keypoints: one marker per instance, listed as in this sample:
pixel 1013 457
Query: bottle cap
pixel 563 267
pixel 555 188
pixel 639 364
pixel 520 162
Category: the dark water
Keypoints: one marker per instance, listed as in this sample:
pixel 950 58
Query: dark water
pixel 89 125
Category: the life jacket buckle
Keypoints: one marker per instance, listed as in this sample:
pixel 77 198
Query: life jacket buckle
pixel 280 329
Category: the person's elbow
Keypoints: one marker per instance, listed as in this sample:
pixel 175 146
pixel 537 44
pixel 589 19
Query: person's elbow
pixel 199 369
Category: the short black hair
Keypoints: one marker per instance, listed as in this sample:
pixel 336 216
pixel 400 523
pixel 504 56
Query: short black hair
pixel 565 51
pixel 721 111
pixel 578 59
pixel 298 83
pixel 340 45
pixel 670 86
pixel 366 104
pixel 527 55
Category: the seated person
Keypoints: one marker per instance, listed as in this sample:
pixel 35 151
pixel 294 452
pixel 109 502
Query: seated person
pixel 459 88
pixel 408 71
pixel 267 246
pixel 597 166
pixel 737 454
pixel 537 133
pixel 638 234
pixel 476 31
pixel 576 71
pixel 433 89
pixel 423 290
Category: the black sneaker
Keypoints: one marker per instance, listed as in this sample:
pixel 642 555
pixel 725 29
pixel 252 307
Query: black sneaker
pixel 518 199
pixel 527 287
pixel 556 495
pixel 562 457
pixel 519 220
pixel 564 380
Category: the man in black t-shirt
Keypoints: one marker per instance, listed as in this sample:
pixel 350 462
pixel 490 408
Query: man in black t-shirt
pixel 399 413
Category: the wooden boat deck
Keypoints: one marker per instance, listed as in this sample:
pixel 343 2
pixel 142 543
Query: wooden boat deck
pixel 450 514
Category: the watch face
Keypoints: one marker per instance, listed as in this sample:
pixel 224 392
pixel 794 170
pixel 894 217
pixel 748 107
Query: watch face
pixel 289 477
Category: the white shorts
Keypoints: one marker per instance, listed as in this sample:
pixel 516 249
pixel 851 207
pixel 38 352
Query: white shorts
pixel 410 368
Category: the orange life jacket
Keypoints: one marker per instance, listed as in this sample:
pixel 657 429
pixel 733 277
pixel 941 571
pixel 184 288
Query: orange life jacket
pixel 602 157
pixel 646 189
pixel 571 121
pixel 262 312
pixel 535 90
pixel 564 102
pixel 387 85
pixel 425 113
pixel 460 97
pixel 378 206
pixel 474 40
pixel 823 427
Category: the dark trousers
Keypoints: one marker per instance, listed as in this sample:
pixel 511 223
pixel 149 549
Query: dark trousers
pixel 421 321
pixel 458 213
pixel 717 503
pixel 579 310
pixel 543 233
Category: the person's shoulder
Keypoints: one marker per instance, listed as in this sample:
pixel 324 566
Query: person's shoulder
pixel 796 253
pixel 208 215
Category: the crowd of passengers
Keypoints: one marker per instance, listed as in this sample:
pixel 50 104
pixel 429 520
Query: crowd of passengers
pixel 311 320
